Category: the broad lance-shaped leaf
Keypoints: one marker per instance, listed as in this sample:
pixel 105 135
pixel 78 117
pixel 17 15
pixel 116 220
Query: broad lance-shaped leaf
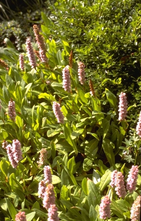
pixel 11 209
pixel 111 98
pixel 108 150
pixel 94 192
pixel 105 180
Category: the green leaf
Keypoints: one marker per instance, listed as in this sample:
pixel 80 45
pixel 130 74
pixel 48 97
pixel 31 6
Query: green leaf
pixel 67 133
pixel 46 96
pixel 55 179
pixel 92 213
pixel 19 121
pixel 85 186
pixel 11 209
pixel 105 179
pixel 30 216
pixel 111 98
pixel 64 192
pixel 4 166
pixel 108 150
pixel 71 164
pixel 94 194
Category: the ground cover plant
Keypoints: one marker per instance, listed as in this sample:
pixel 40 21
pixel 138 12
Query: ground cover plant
pixel 70 133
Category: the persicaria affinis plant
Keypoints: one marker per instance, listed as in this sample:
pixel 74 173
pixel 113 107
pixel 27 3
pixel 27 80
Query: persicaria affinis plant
pixel 52 213
pixel 41 189
pixel 14 153
pixel 49 197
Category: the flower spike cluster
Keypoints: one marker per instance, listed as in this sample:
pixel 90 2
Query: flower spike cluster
pixel 46 192
pixel 132 179
pixel 14 153
pixel 138 127
pixel 135 209
pixel 122 106
pixel 66 79
pixel 57 112
pixel 30 53
pixel 104 209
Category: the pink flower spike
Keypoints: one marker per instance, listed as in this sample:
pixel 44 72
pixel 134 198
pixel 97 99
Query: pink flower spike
pixel 41 189
pixel 52 213
pixel 21 61
pixel 119 185
pixel 113 177
pixel 30 53
pixel 11 110
pixel 132 179
pixel 47 175
pixel 122 106
pixel 104 209
pixel 10 156
pixel 138 127
pixel 57 112
pixel 20 216
pixel 135 209
pixel 16 148
pixel 49 197
pixel 66 79
pixel 81 72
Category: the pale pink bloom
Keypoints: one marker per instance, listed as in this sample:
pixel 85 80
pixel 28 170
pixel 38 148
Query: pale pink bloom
pixel 135 209
pixel 132 179
pixel 16 148
pixel 41 189
pixel 57 112
pixel 138 127
pixel 113 177
pixel 42 157
pixel 52 213
pixel 21 61
pixel 66 79
pixel 122 106
pixel 104 209
pixel 81 72
pixel 11 110
pixel 10 156
pixel 47 175
pixel 20 216
pixel 119 185
pixel 30 53
pixel 49 197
